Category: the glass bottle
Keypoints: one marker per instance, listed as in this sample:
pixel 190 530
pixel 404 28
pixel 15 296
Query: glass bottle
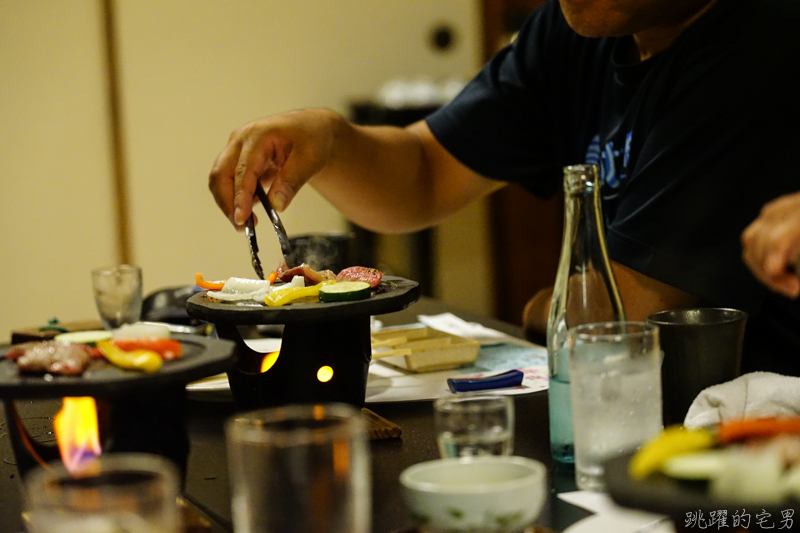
pixel 585 291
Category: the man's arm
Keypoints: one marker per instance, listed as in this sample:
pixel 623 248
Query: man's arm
pixel 641 297
pixel 383 178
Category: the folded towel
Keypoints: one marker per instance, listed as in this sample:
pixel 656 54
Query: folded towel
pixel 755 394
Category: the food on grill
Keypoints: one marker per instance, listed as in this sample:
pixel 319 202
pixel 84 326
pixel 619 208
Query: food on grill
pixel 345 291
pixel 147 361
pixel 295 294
pixel 358 273
pixel 141 330
pixel 209 285
pixel 50 357
pixel 311 276
pixel 238 289
pixel 751 460
pixel 83 337
pixel 167 349
pixel 295 281
pixel 674 440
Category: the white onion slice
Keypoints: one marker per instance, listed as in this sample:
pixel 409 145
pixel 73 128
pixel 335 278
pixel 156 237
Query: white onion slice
pixel 239 296
pixel 141 331
pixel 245 285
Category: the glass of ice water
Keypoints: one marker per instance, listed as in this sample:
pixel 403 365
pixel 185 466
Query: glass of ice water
pixel 133 493
pixel 300 468
pixel 474 424
pixel 615 370
pixel 118 294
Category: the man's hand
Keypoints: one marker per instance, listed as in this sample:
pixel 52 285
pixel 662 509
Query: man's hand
pixel 283 151
pixel 772 245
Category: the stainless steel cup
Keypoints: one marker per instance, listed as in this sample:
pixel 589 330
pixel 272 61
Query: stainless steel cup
pixel 702 347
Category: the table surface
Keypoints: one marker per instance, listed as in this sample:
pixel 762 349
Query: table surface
pixel 207 475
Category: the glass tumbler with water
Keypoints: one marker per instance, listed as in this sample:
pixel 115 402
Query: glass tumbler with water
pixel 118 294
pixel 474 424
pixel 123 492
pixel 615 369
pixel 300 469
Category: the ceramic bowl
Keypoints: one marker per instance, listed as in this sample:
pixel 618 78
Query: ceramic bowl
pixel 497 494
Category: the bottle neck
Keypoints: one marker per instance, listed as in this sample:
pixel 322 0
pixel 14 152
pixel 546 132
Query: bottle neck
pixel 585 289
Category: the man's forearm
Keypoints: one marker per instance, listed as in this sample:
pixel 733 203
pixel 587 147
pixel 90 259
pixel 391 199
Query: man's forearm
pixel 375 177
pixel 395 180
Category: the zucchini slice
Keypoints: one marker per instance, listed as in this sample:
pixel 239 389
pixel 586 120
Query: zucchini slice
pixel 345 291
pixel 83 337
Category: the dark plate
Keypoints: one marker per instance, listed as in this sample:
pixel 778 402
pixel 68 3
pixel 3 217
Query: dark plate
pixel 661 494
pixel 202 357
pixel 394 294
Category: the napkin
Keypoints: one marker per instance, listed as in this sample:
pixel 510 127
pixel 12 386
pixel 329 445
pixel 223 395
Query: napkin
pixel 755 394
pixel 612 518
pixel 450 323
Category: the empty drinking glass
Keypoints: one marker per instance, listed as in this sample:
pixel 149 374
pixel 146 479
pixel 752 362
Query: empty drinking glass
pixel 118 294
pixel 474 424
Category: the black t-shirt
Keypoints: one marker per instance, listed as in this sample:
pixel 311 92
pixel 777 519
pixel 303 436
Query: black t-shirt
pixel 690 143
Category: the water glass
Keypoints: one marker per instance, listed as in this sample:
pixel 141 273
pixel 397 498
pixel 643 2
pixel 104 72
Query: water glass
pixel 474 424
pixel 118 294
pixel 300 468
pixel 615 369
pixel 135 493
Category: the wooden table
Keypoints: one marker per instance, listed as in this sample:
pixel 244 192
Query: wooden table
pixel 207 475
pixel 207 481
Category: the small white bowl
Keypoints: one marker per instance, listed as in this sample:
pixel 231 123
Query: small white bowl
pixel 485 493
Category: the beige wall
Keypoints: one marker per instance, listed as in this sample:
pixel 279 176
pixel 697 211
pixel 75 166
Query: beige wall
pixel 56 219
pixel 190 72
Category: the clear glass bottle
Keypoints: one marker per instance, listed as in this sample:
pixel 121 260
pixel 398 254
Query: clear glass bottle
pixel 585 291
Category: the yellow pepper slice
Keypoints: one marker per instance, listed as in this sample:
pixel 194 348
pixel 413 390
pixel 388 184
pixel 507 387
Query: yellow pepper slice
pixel 285 296
pixel 674 440
pixel 147 361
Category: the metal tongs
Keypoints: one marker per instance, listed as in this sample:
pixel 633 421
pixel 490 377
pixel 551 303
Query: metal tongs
pixel 283 238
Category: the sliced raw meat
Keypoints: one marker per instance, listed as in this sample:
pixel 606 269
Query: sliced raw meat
pixel 50 357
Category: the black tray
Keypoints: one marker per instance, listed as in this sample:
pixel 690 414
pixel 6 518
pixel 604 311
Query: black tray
pixel 393 294
pixel 202 357
pixel 661 494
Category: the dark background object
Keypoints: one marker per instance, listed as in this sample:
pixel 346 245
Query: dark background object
pixel 419 259
pixel 443 38
pixel 327 251
pixel 169 305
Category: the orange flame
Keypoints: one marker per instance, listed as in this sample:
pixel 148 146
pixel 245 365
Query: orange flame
pixel 77 432
pixel 269 360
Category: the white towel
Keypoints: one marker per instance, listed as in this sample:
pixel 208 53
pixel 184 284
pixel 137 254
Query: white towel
pixel 755 394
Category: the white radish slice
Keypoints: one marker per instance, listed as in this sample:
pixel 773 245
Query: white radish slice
pixel 695 465
pixel 245 285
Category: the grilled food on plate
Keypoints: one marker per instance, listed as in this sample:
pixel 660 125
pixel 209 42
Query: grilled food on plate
pixel 296 285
